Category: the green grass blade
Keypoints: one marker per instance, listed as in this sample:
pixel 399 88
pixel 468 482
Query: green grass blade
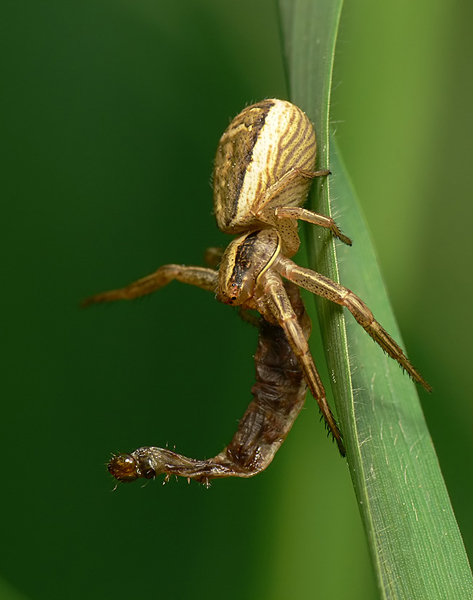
pixel 309 31
pixel 415 544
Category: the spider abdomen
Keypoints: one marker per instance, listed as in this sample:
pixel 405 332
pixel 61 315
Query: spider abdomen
pixel 262 145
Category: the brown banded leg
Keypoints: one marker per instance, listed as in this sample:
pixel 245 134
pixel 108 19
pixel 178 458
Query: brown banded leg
pixel 326 288
pixel 198 276
pixel 275 305
pixel 296 212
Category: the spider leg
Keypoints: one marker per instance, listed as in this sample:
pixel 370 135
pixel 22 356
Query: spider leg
pixel 198 276
pixel 293 185
pixel 296 212
pixel 326 288
pixel 274 304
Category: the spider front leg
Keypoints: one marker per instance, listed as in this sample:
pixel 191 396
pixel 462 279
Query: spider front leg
pixel 296 212
pixel 326 288
pixel 198 276
pixel 276 205
pixel 273 303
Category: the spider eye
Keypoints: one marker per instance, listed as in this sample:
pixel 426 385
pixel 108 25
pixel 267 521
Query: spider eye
pixel 235 291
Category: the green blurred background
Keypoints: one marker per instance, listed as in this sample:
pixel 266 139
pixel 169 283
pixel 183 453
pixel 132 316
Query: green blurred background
pixel 110 116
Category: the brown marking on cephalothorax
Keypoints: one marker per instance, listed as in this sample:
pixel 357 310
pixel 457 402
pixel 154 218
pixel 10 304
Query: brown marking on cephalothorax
pixel 242 264
pixel 244 257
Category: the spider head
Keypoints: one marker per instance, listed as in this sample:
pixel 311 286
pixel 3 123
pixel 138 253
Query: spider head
pixel 235 293
pixel 242 263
